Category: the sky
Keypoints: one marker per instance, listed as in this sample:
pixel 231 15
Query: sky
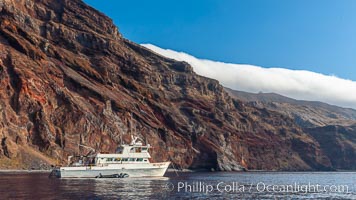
pixel 317 35
pixel 301 49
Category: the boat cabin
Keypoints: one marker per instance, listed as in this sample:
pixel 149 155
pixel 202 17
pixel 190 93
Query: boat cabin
pixel 135 152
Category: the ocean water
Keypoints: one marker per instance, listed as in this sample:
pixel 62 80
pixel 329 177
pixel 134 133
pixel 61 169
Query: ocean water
pixel 217 185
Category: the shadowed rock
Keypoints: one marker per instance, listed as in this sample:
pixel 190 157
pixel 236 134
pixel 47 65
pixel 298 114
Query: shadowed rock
pixel 68 77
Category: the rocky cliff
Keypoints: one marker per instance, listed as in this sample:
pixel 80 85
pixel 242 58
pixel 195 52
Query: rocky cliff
pixel 333 127
pixel 307 114
pixel 338 143
pixel 69 79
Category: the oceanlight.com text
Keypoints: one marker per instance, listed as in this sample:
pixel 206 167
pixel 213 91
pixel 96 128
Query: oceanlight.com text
pixel 260 187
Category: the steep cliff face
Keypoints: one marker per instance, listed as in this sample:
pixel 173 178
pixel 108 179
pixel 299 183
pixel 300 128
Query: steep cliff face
pixel 338 143
pixel 68 79
pixel 332 127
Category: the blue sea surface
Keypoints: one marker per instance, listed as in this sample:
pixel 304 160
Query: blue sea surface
pixel 185 185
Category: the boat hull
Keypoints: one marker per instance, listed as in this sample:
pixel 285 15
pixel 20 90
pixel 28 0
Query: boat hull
pixel 147 170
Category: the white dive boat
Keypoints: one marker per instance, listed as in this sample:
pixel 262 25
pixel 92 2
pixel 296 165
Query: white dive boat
pixel 129 161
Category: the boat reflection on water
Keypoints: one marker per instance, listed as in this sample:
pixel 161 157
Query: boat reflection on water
pixel 147 187
pixel 118 188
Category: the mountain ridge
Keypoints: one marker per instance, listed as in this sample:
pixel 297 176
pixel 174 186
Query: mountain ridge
pixel 297 109
pixel 333 127
pixel 69 79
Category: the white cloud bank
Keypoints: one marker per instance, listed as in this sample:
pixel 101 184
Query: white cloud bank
pixel 298 84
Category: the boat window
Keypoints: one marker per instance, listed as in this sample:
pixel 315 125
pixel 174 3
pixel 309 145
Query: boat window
pixel 131 159
pixel 132 150
pixel 125 159
pixel 144 149
pixel 145 160
pixel 119 150
pixel 139 159
pixel 138 150
pixel 109 159
pixel 117 159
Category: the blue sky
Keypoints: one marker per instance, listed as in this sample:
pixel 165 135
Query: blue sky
pixel 317 35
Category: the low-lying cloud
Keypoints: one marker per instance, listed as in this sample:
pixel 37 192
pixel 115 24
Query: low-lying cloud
pixel 298 84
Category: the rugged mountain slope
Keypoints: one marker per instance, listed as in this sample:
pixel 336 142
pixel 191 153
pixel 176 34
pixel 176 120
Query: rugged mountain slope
pixel 305 113
pixel 338 143
pixel 68 79
pixel 333 127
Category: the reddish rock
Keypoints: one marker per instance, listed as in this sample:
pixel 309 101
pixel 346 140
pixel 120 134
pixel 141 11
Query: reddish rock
pixel 68 77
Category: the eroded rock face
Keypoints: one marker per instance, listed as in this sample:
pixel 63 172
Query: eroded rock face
pixel 338 143
pixel 307 114
pixel 68 77
pixel 331 126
